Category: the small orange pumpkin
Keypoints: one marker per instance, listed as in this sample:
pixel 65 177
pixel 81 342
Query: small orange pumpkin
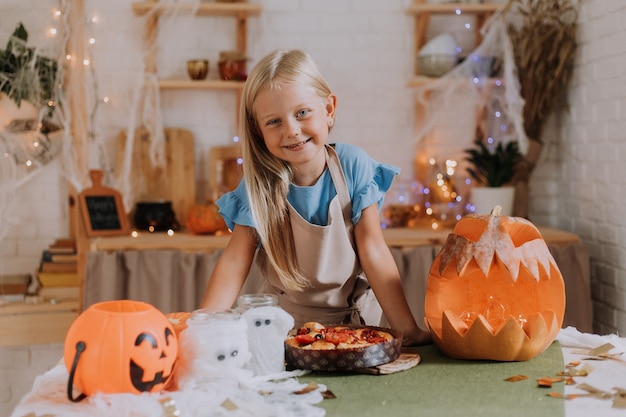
pixel 120 346
pixel 205 219
pixel 494 291
pixel 178 320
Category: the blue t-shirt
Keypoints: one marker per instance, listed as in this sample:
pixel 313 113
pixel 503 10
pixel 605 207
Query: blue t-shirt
pixel 367 181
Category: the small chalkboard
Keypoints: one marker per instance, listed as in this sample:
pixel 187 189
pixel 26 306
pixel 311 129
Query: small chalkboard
pixel 102 209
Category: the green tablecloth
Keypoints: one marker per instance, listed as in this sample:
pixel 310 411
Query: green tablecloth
pixel 443 387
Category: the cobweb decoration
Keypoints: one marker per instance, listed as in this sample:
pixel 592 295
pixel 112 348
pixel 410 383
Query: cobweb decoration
pixel 223 397
pixel 469 102
pixel 32 135
pixel 145 108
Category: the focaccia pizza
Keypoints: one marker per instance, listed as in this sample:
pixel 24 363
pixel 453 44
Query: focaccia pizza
pixel 316 336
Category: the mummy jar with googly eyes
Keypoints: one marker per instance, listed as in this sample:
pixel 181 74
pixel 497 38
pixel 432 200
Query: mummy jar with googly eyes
pixel 213 342
pixel 268 326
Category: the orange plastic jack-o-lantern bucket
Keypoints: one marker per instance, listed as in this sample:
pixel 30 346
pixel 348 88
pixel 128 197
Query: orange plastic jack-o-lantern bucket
pixel 494 291
pixel 119 346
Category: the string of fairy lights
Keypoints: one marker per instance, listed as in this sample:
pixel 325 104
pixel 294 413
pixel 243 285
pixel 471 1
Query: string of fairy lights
pixel 41 149
pixel 440 201
pixel 441 196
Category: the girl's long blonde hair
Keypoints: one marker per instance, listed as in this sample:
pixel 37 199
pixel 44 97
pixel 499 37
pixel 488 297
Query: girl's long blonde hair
pixel 268 177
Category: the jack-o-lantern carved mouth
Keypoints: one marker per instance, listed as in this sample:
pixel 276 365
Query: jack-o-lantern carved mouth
pixel 136 377
pixel 137 372
pixel 480 340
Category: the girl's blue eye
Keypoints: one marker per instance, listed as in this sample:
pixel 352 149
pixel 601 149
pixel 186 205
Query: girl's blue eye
pixel 302 113
pixel 272 122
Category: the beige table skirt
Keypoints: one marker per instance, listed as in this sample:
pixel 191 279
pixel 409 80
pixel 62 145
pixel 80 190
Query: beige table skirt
pixel 173 280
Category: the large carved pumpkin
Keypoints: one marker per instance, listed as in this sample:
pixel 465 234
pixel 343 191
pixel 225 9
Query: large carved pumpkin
pixel 120 346
pixel 494 291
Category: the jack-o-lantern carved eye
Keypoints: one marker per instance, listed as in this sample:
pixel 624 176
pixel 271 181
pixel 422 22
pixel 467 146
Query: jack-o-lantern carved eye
pixel 152 340
pixel 146 336
pixel 168 335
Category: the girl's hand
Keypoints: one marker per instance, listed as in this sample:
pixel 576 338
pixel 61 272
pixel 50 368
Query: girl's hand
pixel 418 338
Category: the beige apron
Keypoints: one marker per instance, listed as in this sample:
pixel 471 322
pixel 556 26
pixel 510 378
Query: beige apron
pixel 327 256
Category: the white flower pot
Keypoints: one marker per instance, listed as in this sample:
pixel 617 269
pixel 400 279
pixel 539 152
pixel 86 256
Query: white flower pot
pixel 486 198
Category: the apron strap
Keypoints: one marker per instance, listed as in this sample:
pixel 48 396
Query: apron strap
pixel 336 173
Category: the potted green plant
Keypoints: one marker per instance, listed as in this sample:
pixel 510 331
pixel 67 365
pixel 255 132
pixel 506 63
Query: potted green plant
pixel 493 170
pixel 25 75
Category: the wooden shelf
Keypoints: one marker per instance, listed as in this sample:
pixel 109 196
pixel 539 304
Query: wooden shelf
pixel 203 9
pixel 422 12
pixel 26 324
pixel 173 84
pixel 454 8
pixel 421 80
pixel 186 242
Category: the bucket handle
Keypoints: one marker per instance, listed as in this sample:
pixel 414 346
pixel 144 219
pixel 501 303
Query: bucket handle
pixel 80 348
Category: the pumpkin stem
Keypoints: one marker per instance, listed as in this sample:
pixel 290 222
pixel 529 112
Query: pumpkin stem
pixel 496 211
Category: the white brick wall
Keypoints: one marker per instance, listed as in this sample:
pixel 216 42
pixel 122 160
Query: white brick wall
pixel 590 194
pixel 19 366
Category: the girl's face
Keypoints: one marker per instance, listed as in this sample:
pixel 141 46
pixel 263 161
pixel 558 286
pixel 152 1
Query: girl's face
pixel 294 122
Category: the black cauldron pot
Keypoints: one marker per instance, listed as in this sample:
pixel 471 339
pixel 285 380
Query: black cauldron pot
pixel 155 216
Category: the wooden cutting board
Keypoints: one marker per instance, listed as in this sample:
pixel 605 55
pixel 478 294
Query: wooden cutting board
pixel 176 182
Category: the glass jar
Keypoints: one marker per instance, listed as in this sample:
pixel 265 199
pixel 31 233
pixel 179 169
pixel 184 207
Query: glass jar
pixel 268 327
pixel 402 205
pixel 247 301
pixel 214 341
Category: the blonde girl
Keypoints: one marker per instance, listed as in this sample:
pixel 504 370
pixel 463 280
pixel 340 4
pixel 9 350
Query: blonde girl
pixel 308 209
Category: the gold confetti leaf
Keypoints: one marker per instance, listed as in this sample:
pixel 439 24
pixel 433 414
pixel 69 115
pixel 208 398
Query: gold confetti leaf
pixel 169 406
pixel 601 350
pixel 595 392
pixel 311 387
pixel 516 378
pixel 546 382
pixel 573 372
pixel 619 402
pixel 328 395
pixel 229 405
pixel 555 394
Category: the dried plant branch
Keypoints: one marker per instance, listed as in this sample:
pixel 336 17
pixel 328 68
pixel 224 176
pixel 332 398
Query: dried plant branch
pixel 544 48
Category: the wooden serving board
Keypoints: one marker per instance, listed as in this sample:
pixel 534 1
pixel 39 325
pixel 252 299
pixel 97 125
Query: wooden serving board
pixel 407 360
pixel 176 182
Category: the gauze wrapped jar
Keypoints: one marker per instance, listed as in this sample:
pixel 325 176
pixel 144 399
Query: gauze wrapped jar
pixel 268 327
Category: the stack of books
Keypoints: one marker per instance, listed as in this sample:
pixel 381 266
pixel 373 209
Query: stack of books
pixel 14 287
pixel 58 270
